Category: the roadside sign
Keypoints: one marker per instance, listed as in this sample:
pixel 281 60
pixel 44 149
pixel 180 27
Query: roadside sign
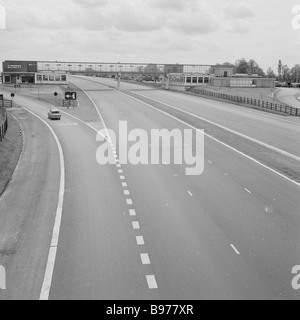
pixel 55 94
pixel 12 95
pixel 1 96
pixel 70 95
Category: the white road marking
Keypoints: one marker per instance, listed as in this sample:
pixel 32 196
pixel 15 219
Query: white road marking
pixel 145 258
pixel 120 171
pixel 189 192
pixel 140 241
pixel 247 190
pixel 219 141
pixel 132 212
pixel 118 165
pixel 122 177
pixel 135 225
pixel 126 192
pixel 210 162
pixel 129 202
pixel 235 249
pixel 124 184
pixel 287 154
pixel 151 281
pixel 46 286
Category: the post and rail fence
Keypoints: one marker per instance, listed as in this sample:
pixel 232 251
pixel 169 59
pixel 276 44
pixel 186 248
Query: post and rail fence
pixel 251 102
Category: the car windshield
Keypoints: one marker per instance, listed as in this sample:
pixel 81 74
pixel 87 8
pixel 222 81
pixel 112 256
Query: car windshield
pixel 55 112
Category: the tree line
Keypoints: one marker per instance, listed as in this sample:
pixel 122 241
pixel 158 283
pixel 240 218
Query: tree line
pixel 283 72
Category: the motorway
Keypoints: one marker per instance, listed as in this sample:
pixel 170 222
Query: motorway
pixel 151 232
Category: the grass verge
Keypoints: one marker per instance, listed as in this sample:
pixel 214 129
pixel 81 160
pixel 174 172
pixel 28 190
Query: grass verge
pixel 10 150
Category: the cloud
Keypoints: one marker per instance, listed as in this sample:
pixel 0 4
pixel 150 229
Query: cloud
pixel 201 21
pixel 91 3
pixel 237 10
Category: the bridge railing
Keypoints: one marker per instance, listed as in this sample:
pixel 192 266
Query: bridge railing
pixel 255 103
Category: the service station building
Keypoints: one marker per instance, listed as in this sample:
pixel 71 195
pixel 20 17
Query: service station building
pixel 28 72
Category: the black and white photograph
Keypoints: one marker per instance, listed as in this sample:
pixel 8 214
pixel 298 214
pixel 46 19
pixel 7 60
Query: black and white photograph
pixel 149 153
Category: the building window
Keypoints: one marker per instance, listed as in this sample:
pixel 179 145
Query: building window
pixel 63 78
pixel 45 78
pixel 51 77
pixel 57 78
pixel 188 80
pixel 7 79
pixel 200 80
pixel 206 80
pixel 195 79
pixel 39 78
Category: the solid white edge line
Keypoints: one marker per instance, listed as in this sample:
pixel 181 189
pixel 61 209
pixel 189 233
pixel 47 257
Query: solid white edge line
pixel 46 286
pixel 287 154
pixel 215 139
pixel 250 111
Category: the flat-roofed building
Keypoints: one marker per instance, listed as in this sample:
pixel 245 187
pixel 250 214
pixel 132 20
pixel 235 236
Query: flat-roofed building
pixel 27 72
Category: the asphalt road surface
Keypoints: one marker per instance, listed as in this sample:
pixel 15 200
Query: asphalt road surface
pixel 152 232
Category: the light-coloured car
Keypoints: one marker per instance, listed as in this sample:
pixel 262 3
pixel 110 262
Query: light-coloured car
pixel 54 114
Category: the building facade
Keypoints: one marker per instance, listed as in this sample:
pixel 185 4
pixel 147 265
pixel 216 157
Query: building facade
pixel 27 72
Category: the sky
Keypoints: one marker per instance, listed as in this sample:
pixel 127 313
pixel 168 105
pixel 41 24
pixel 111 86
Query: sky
pixel 151 31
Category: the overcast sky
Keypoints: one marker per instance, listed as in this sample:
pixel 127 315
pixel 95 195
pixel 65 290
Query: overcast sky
pixel 160 31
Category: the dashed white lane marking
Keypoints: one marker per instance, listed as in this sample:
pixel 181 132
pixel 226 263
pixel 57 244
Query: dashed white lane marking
pixel 145 258
pixel 129 202
pixel 209 162
pixel 132 213
pixel 189 192
pixel 235 249
pixel 152 284
pixel 140 241
pixel 135 225
pixel 247 190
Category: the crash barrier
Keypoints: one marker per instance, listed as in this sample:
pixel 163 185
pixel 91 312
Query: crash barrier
pixel 3 123
pixel 255 103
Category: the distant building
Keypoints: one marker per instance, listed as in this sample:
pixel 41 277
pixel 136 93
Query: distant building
pixel 151 68
pixel 174 68
pixel 222 71
pixel 27 72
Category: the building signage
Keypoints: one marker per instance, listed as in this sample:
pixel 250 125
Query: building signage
pixel 20 66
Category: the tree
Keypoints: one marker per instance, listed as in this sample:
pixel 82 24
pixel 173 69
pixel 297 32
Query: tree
pixel 271 73
pixel 241 66
pixel 286 73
